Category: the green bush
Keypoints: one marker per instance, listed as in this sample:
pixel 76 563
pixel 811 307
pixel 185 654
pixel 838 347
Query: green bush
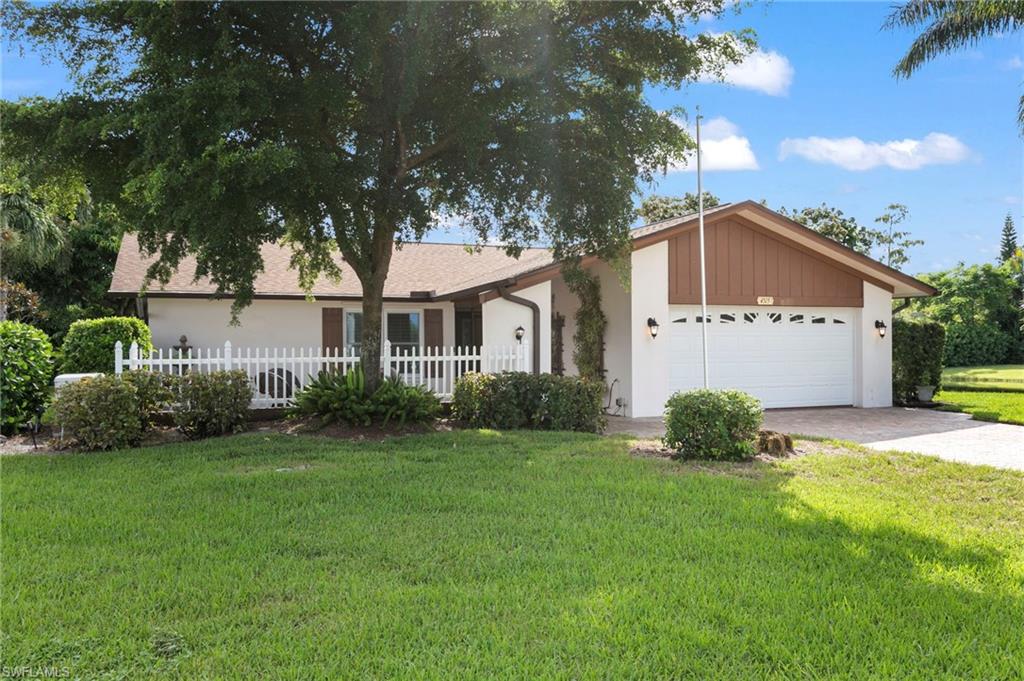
pixel 335 397
pixel 89 344
pixel 974 344
pixel 396 402
pixel 154 392
pixel 917 349
pixel 712 424
pixel 26 367
pixel 216 403
pixel 521 400
pixel 108 412
pixel 100 412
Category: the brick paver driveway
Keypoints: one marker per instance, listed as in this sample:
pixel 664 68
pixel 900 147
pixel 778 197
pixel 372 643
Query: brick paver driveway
pixel 947 435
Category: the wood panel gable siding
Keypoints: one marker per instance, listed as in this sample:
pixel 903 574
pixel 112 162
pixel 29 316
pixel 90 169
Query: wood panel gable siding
pixel 746 262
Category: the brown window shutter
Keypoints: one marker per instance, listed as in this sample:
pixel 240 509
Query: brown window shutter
pixel 433 333
pixel 433 328
pixel 333 327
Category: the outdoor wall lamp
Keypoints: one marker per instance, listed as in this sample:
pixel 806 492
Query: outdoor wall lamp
pixel 652 326
pixel 520 332
pixel 880 325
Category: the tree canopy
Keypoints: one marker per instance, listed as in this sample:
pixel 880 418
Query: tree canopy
pixel 656 208
pixel 350 126
pixel 889 245
pixel 1008 240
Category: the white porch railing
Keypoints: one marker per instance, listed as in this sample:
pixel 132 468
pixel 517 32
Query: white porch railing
pixel 278 373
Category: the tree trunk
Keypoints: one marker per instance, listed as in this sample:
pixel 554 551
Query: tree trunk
pixel 369 351
pixel 372 279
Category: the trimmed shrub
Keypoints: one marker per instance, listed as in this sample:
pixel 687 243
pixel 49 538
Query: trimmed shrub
pixel 216 403
pixel 401 404
pixel 335 397
pixel 917 350
pixel 26 367
pixel 100 413
pixel 154 392
pixel 977 343
pixel 89 344
pixel 522 400
pixel 712 424
pixel 108 412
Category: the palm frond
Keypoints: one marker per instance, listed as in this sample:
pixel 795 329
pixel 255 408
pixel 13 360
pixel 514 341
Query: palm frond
pixel 27 231
pixel 955 24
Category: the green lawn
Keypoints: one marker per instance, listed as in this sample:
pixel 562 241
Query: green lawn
pixel 992 377
pixel 1005 407
pixel 476 555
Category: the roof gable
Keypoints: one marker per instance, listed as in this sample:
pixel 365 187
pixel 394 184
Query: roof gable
pixel 780 226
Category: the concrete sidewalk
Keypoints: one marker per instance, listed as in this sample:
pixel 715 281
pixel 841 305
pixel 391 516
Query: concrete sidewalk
pixel 947 435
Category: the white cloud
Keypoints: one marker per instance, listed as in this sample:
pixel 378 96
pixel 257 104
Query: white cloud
pixel 767 72
pixel 722 147
pixel 1014 63
pixel 853 153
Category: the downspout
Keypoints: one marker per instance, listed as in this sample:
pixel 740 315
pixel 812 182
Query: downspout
pixel 901 307
pixel 535 350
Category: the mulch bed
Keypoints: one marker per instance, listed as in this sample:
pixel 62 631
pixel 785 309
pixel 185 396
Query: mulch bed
pixel 655 449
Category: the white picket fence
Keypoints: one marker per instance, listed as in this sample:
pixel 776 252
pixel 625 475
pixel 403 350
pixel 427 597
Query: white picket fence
pixel 278 373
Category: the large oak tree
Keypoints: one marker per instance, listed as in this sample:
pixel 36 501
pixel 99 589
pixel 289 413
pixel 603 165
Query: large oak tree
pixel 353 126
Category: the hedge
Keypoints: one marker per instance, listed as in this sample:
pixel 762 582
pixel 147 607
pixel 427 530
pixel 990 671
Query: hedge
pixel 917 351
pixel 89 344
pixel 26 367
pixel 536 401
pixel 975 344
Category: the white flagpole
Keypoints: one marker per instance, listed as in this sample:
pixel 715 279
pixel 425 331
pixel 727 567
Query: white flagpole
pixel 703 274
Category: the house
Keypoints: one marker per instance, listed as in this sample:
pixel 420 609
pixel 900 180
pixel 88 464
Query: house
pixel 794 318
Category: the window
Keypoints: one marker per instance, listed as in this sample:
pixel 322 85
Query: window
pixel 817 320
pixel 749 317
pixel 403 331
pixel 726 318
pixel 776 317
pixel 353 332
pixel 838 321
pixel 796 319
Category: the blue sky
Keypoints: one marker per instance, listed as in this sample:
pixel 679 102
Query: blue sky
pixel 816 116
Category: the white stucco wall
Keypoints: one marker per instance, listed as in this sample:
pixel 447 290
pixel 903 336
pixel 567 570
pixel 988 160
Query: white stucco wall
pixel 565 302
pixel 873 354
pixel 501 318
pixel 265 323
pixel 650 356
pixel 616 302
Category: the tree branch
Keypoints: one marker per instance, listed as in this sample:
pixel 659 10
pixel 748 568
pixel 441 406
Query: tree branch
pixel 414 162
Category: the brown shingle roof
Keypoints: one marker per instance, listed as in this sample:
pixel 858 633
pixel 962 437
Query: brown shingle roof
pixel 441 269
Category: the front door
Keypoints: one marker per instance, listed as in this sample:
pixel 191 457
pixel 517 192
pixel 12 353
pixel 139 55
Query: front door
pixel 469 328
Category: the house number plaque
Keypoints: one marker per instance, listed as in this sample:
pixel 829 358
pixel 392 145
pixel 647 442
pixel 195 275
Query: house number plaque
pixel 765 300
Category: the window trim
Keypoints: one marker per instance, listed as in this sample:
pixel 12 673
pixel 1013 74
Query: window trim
pixel 384 325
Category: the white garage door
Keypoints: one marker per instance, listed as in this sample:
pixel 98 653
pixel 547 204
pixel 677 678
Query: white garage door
pixel 786 357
